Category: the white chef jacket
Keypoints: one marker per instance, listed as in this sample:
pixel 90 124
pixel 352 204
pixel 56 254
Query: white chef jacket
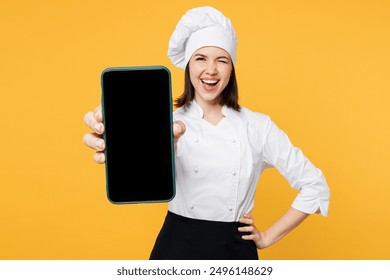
pixel 217 167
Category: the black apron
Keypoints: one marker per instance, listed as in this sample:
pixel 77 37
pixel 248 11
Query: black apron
pixel 183 238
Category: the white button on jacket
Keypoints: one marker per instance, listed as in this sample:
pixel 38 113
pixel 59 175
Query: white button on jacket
pixel 218 167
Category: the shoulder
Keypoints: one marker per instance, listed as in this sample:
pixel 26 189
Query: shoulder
pixel 180 112
pixel 253 117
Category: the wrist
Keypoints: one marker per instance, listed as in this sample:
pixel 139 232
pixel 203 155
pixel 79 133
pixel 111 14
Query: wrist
pixel 263 242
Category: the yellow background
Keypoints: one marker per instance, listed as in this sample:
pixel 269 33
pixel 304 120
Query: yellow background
pixel 320 69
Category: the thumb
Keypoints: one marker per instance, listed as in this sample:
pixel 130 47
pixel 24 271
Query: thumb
pixel 179 129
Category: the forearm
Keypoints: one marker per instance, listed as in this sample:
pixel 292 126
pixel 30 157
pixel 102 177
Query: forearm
pixel 285 224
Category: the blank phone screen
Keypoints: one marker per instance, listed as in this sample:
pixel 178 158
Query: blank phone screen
pixel 137 114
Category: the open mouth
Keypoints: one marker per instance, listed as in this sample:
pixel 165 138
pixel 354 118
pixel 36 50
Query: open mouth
pixel 210 83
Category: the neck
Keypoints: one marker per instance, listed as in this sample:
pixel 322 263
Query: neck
pixel 212 112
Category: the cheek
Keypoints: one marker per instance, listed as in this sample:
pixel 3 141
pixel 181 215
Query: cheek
pixel 226 77
pixel 225 71
pixel 195 73
pixel 193 79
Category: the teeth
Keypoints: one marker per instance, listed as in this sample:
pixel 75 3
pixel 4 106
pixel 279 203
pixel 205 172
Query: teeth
pixel 210 82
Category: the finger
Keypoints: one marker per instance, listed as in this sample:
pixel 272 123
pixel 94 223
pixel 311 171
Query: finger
pixel 179 129
pixel 246 229
pixel 98 113
pixel 93 123
pixel 99 128
pixel 99 157
pixel 94 141
pixel 248 221
pixel 249 237
pixel 89 119
pixel 247 216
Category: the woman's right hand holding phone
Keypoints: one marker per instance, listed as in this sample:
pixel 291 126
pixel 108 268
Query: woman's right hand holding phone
pixel 94 139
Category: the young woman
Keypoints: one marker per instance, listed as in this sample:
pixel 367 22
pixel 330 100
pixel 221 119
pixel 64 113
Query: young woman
pixel 221 149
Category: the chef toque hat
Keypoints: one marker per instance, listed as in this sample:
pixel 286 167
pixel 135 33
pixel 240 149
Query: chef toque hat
pixel 201 27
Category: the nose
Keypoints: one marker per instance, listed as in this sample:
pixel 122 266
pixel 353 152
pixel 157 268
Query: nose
pixel 211 68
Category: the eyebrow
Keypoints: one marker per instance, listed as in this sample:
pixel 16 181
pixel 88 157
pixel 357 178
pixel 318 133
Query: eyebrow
pixel 219 57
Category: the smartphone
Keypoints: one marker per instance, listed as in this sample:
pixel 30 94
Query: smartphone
pixel 137 115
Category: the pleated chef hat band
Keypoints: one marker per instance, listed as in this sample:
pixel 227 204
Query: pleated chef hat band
pixel 201 27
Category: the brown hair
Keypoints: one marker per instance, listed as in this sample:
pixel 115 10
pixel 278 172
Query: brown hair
pixel 228 97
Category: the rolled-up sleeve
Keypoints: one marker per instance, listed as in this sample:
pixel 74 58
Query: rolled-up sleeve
pixel 299 171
